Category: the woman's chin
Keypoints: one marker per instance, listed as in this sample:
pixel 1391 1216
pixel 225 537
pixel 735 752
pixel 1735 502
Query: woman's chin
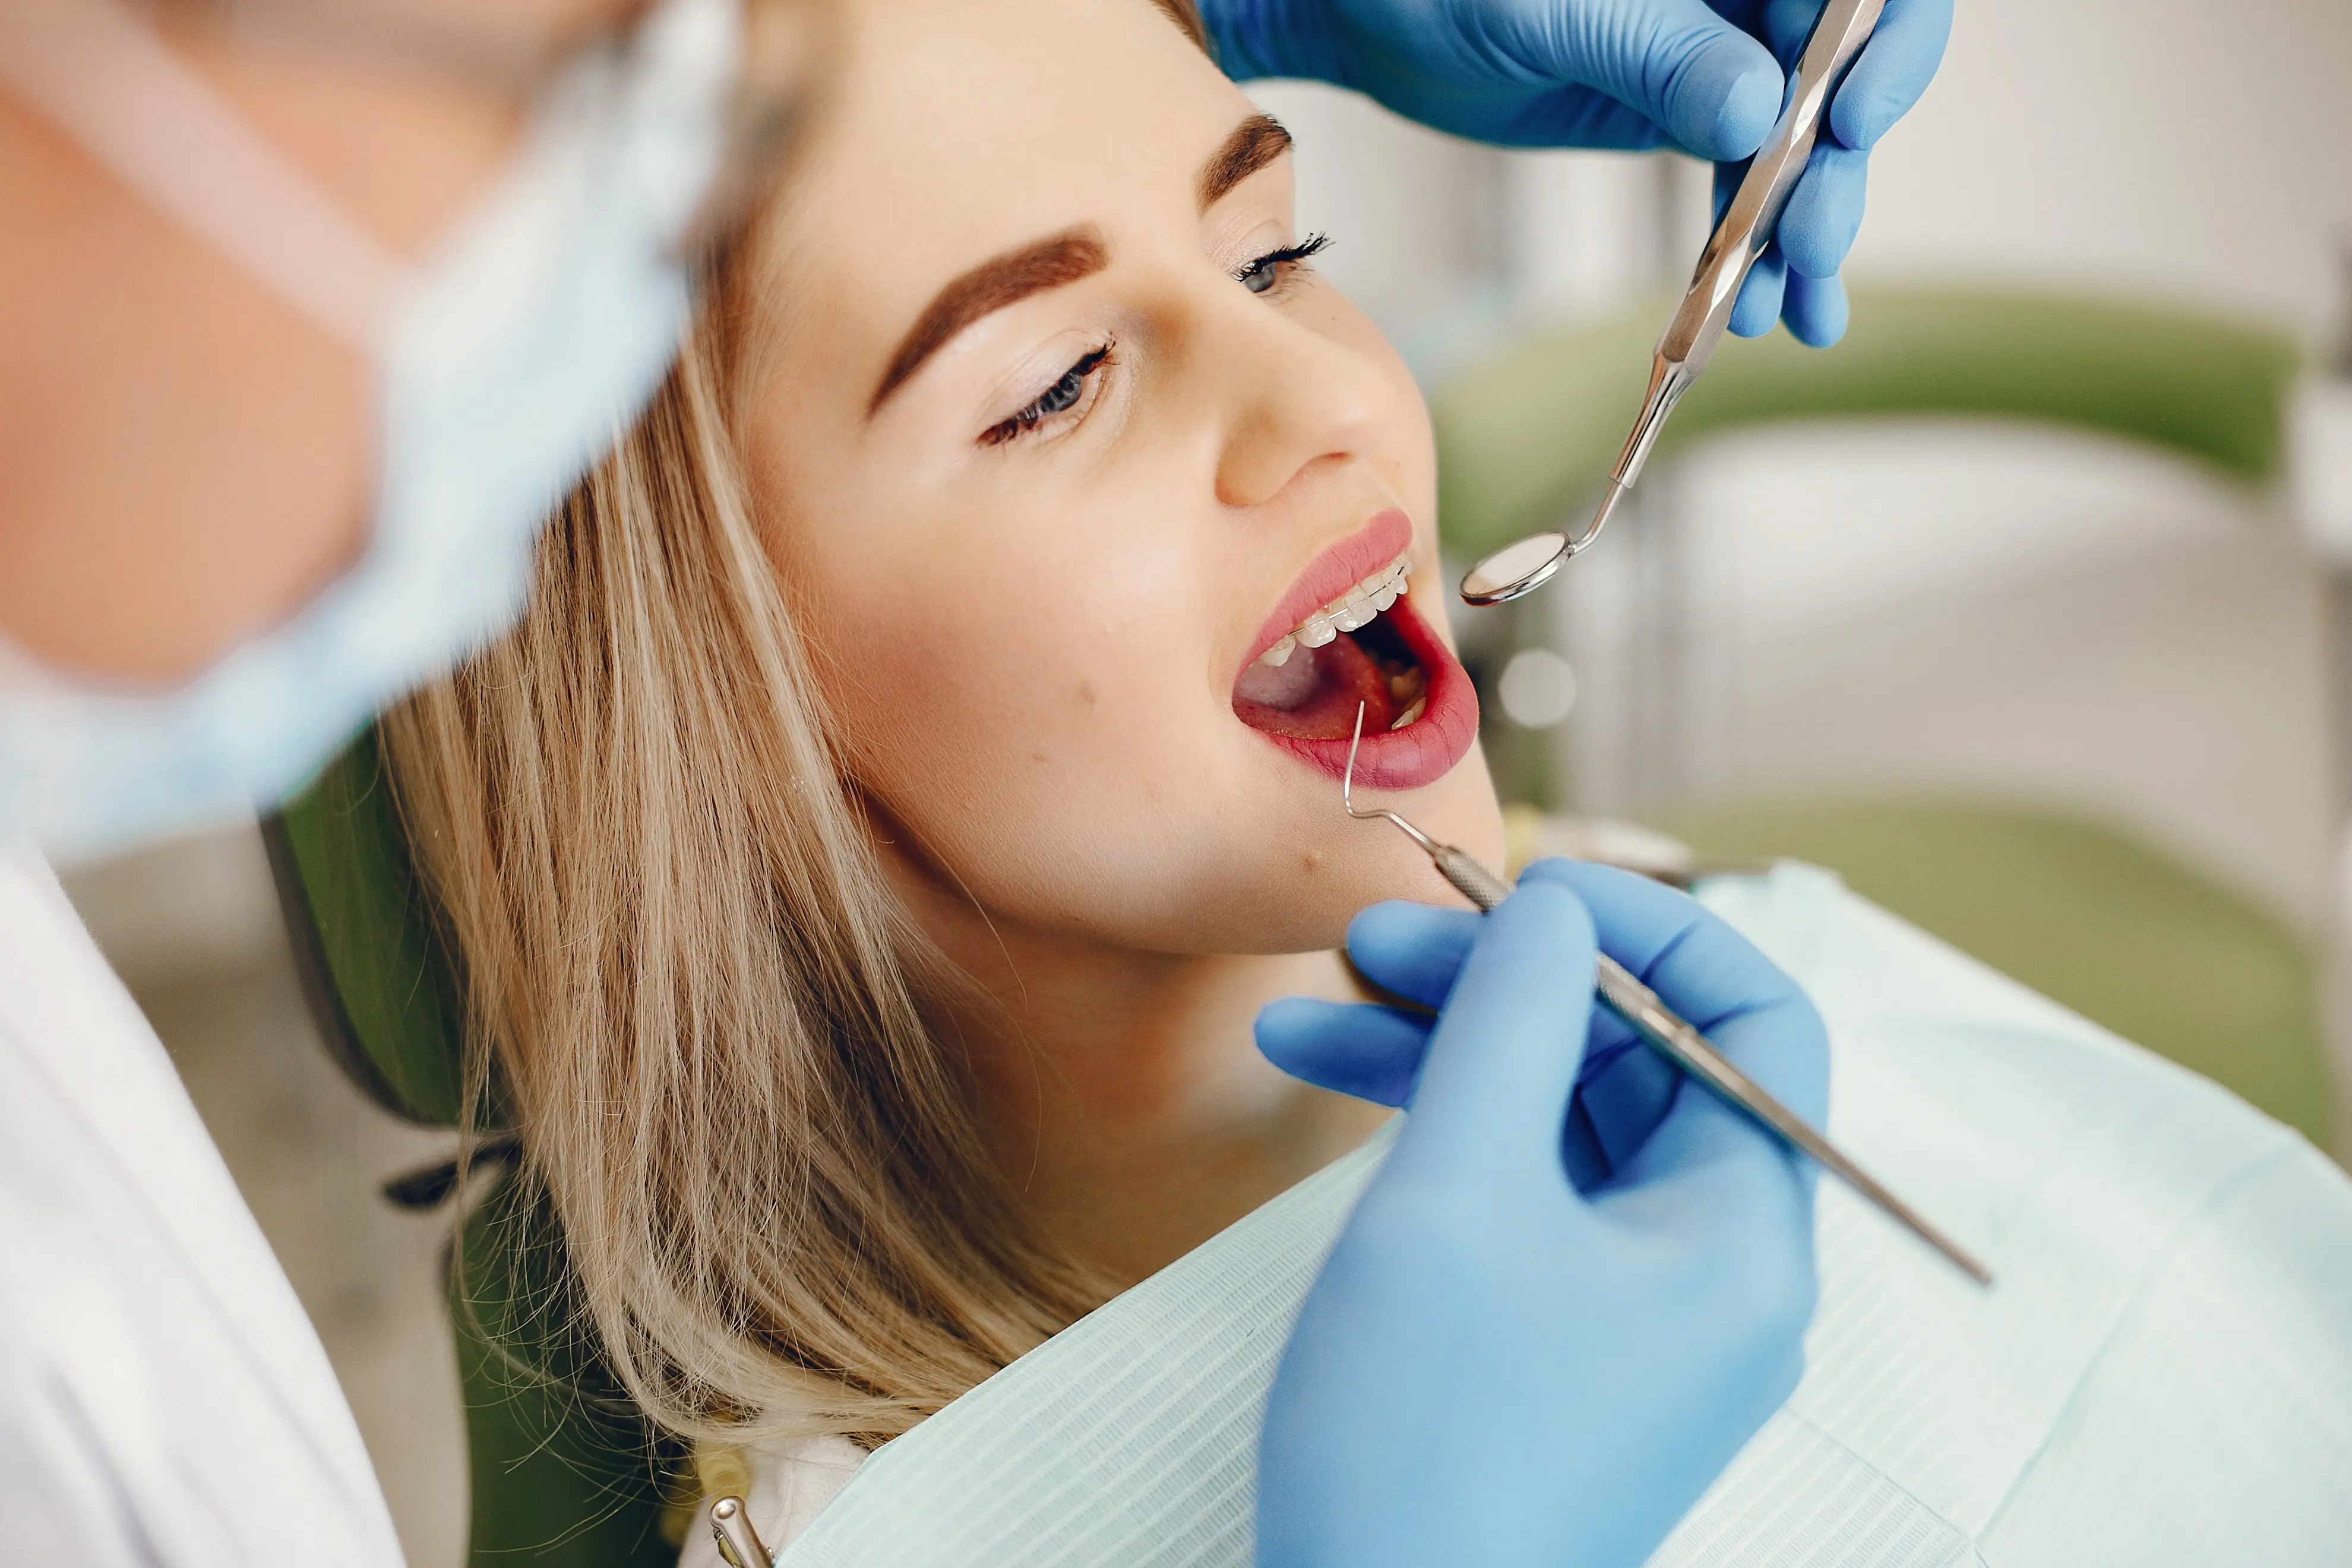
pixel 1308 893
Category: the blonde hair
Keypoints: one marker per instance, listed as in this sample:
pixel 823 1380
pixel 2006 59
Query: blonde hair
pixel 717 1030
pixel 706 1011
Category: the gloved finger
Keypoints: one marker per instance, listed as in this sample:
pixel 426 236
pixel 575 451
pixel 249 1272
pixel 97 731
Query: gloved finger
pixel 1371 1053
pixel 1711 1175
pixel 1581 1155
pixel 1624 1098
pixel 1709 86
pixel 1375 1053
pixel 1824 212
pixel 1893 71
pixel 1413 950
pixel 1745 1005
pixel 1711 1159
pixel 1505 1054
pixel 1815 309
pixel 1675 946
pixel 1786 24
pixel 1757 308
pixel 1564 117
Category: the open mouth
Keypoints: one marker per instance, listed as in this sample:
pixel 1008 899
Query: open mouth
pixel 1349 653
pixel 1362 648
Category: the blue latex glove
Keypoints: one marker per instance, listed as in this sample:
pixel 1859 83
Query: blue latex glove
pixel 1496 1367
pixel 1629 74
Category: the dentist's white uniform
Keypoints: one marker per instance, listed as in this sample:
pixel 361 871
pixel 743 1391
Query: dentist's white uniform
pixel 157 1375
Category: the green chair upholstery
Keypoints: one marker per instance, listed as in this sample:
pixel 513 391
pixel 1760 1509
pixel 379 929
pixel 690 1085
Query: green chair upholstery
pixel 2093 919
pixel 1525 435
pixel 2088 916
pixel 565 1471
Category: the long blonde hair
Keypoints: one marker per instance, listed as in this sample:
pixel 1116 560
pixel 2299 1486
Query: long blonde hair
pixel 717 1030
pixel 705 1009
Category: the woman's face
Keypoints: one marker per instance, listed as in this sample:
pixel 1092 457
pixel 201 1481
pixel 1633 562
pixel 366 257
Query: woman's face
pixel 1055 436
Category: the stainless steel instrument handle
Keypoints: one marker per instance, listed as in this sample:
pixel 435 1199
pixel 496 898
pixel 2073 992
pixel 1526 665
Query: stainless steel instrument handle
pixel 1838 36
pixel 739 1544
pixel 1679 1043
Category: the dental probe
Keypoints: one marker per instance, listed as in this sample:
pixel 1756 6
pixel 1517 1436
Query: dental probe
pixel 738 1541
pixel 1674 1039
pixel 1699 322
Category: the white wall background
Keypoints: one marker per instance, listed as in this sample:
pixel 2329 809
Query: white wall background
pixel 2198 150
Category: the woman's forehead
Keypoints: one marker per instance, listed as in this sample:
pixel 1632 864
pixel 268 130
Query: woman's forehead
pixel 959 129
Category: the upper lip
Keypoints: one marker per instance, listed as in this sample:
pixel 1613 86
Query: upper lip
pixel 1340 567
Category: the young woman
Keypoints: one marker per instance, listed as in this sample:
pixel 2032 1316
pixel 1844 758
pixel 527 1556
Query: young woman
pixel 920 762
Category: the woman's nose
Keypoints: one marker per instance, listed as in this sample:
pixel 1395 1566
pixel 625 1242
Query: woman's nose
pixel 1294 399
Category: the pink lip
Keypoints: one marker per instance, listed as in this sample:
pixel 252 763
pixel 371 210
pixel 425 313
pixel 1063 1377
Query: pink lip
pixel 1425 750
pixel 1333 572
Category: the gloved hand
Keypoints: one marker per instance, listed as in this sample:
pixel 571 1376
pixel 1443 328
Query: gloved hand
pixel 1620 74
pixel 1496 1367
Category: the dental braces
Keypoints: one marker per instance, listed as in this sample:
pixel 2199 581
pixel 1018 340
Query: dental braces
pixel 1351 610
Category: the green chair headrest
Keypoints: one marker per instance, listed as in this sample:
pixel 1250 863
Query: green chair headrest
pixel 374 968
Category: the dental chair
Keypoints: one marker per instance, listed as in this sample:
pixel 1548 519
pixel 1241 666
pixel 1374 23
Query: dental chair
pixel 563 1467
pixel 2105 925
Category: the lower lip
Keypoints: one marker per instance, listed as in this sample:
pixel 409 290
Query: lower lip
pixel 1425 750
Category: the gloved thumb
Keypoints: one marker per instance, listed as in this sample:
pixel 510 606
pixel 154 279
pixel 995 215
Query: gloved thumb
pixel 1503 1060
pixel 1711 86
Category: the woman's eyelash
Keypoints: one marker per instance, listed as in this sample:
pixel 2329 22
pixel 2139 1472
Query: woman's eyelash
pixel 1056 399
pixel 1263 275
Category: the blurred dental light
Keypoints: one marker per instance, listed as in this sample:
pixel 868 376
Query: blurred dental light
pixel 1537 688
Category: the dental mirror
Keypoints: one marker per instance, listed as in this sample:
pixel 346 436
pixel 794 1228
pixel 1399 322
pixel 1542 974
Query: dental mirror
pixel 1521 567
pixel 1704 314
pixel 1516 569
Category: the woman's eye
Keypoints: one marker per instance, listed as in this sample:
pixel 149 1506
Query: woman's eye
pixel 1057 399
pixel 1265 274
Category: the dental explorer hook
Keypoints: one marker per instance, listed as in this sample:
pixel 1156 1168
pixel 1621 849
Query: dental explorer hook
pixel 1672 1036
pixel 1465 870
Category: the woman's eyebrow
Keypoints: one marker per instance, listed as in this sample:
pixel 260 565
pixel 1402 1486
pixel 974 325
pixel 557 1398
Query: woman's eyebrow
pixel 999 281
pixel 1255 142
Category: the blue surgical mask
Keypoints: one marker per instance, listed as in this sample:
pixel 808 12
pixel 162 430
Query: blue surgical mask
pixel 507 362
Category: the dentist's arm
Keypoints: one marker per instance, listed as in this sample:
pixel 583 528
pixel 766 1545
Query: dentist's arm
pixel 1701 75
pixel 1559 1310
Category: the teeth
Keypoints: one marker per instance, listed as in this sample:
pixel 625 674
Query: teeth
pixel 1349 612
pixel 1410 714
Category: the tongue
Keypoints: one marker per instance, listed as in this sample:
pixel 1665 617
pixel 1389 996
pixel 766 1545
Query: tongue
pixel 1314 695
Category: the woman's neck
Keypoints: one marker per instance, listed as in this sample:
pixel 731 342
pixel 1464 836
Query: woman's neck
pixel 1122 1092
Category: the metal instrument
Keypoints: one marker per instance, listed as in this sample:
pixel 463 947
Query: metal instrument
pixel 1699 322
pixel 1670 1036
pixel 739 1544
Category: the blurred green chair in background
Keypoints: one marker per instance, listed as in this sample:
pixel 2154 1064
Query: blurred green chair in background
pixel 2094 920
pixel 2081 913
pixel 563 1468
